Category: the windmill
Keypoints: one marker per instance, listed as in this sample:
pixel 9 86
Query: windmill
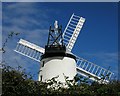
pixel 57 59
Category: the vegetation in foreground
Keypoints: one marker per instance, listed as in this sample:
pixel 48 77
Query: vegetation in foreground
pixel 16 82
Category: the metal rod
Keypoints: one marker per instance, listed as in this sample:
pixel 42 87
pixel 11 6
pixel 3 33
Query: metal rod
pixel 70 30
pixel 77 16
pixel 68 24
pixel 25 50
pixel 34 53
pixel 22 49
pixel 67 33
pixel 67 36
pixel 103 72
pixel 87 66
pixel 71 27
pixel 100 72
pixel 19 49
pixel 28 51
pixel 17 46
pixel 80 63
pixel 97 70
pixel 39 56
pixel 27 56
pixel 93 68
pixel 83 64
pixel 75 19
pixel 65 39
pixel 90 67
pixel 31 52
pixel 77 62
pixel 73 24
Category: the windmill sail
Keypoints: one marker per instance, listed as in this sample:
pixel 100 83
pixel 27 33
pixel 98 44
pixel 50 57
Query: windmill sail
pixel 72 31
pixel 29 49
pixel 89 69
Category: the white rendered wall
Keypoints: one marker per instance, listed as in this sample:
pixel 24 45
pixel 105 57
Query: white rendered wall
pixel 54 66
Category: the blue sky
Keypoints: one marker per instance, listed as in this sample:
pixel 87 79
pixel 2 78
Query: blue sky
pixel 97 42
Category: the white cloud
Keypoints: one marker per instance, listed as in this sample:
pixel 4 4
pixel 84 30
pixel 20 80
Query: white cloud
pixel 24 23
pixel 38 35
pixel 32 24
pixel 24 14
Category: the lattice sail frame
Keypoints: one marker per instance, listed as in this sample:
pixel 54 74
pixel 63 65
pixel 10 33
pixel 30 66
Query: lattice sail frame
pixel 91 70
pixel 29 49
pixel 72 31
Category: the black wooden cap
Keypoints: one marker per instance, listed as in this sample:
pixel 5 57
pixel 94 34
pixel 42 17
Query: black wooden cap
pixel 56 51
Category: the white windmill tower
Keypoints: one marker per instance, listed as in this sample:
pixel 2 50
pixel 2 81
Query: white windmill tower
pixel 57 59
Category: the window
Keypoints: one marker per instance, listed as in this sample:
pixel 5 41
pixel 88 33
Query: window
pixel 41 78
pixel 43 63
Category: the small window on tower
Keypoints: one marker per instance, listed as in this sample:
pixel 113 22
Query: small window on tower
pixel 43 63
pixel 41 78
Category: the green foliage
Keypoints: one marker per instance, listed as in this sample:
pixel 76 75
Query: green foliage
pixel 10 35
pixel 16 82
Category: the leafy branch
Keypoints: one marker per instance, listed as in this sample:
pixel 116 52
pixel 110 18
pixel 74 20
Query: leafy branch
pixel 10 35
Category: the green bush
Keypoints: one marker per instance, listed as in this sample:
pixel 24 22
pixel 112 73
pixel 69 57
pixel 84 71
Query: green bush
pixel 16 82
